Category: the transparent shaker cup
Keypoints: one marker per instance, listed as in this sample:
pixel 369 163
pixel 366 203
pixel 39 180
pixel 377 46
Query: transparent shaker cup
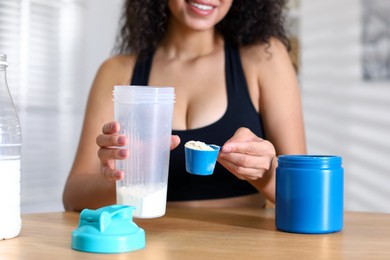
pixel 145 116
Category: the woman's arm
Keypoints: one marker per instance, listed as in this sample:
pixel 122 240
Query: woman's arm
pixel 275 84
pixel 86 187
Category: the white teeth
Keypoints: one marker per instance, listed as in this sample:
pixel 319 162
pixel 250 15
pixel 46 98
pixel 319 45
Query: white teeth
pixel 201 7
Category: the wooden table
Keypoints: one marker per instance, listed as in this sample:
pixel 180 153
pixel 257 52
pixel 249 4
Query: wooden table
pixel 209 234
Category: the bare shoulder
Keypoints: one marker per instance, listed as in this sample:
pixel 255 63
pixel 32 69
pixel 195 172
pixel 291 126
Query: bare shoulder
pixel 267 63
pixel 265 53
pixel 116 69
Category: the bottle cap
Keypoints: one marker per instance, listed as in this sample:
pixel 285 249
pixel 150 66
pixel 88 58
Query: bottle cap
pixel 108 230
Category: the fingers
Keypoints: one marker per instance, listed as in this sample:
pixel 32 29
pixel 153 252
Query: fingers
pixel 258 161
pixel 249 148
pixel 243 173
pixel 110 136
pixel 107 158
pixel 175 141
pixel 107 141
pixel 106 154
pixel 111 128
pixel 247 156
pixel 246 167
pixel 110 173
pixel 110 143
pixel 111 140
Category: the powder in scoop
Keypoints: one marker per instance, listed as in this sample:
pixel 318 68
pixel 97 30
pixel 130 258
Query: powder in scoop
pixel 197 145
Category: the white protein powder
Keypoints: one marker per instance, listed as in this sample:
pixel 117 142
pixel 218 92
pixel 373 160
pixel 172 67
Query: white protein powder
pixel 198 145
pixel 149 201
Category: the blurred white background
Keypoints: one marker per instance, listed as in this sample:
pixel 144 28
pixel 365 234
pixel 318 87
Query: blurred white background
pixel 55 48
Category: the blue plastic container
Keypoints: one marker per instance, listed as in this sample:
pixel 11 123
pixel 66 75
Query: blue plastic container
pixel 309 194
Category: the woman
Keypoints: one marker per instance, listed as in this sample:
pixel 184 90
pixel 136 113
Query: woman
pixel 234 84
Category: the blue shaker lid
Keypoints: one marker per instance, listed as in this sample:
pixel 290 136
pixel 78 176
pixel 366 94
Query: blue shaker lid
pixel 108 230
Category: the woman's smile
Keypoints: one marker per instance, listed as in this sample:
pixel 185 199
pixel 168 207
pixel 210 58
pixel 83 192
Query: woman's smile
pixel 200 7
pixel 199 15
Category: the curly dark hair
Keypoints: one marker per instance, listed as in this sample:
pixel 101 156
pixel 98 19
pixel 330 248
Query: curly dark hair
pixel 144 23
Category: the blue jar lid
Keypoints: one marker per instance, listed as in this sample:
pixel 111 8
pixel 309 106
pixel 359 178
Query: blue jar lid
pixel 108 230
pixel 309 161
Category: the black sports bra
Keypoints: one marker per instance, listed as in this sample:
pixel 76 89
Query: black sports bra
pixel 240 112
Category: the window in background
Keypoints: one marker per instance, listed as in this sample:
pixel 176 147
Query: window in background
pixel 44 43
pixel 376 39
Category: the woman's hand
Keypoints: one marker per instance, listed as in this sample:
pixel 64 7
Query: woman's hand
pixel 247 156
pixel 111 148
pixel 111 143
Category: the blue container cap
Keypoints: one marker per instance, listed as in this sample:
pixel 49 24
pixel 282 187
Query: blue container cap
pixel 309 161
pixel 108 230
